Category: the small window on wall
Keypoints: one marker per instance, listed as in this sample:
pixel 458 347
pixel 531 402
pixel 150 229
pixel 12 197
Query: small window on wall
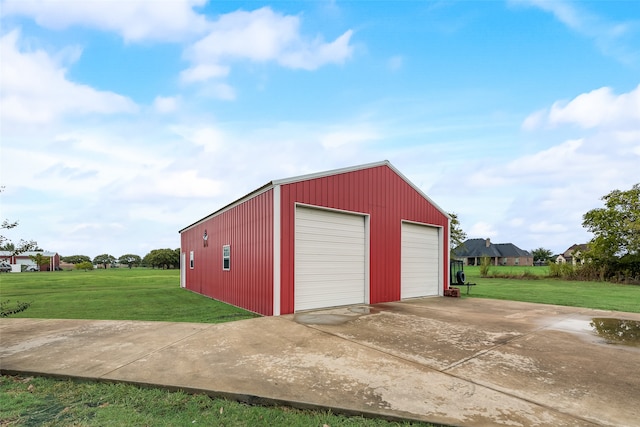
pixel 226 257
pixel 191 260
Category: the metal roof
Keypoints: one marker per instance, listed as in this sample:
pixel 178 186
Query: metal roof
pixel 316 175
pixel 28 253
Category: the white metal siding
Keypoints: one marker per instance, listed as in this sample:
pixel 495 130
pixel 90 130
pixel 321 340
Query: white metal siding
pixel 329 259
pixel 420 260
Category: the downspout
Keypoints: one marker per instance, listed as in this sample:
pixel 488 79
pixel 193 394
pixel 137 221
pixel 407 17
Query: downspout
pixel 447 264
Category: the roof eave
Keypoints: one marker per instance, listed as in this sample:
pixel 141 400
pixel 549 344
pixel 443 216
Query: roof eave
pixel 316 175
pixel 236 202
pixel 357 168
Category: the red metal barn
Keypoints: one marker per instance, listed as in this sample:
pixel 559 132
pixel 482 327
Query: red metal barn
pixel 357 235
pixel 23 260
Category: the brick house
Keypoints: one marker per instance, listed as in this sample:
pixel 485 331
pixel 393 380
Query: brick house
pixel 473 250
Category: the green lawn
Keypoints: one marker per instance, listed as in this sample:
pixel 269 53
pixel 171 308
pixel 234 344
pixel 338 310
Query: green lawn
pixel 123 294
pixel 146 294
pixel 113 294
pixel 26 401
pixel 599 295
pixel 143 294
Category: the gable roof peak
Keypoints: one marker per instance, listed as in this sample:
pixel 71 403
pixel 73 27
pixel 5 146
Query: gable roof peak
pixel 332 172
pixel 356 168
pixel 275 183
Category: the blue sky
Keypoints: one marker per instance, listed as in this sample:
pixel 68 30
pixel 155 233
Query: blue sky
pixel 123 122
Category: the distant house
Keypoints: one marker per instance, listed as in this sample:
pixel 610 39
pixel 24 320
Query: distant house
pixel 473 250
pixel 573 255
pixel 23 261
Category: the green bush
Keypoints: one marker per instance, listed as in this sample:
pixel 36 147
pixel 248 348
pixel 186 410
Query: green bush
pixel 585 272
pixel 86 265
pixel 485 263
pixel 560 271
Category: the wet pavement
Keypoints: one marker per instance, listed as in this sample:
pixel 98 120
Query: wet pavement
pixel 467 362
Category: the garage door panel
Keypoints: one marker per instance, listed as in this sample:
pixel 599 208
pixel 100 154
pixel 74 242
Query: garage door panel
pixel 333 228
pixel 329 259
pixel 333 251
pixel 329 278
pixel 321 295
pixel 420 261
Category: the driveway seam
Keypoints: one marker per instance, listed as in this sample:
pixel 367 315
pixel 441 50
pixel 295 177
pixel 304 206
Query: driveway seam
pixel 157 350
pixel 508 341
pixel 445 370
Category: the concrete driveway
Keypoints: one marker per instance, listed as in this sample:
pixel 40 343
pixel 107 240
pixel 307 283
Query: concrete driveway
pixel 467 362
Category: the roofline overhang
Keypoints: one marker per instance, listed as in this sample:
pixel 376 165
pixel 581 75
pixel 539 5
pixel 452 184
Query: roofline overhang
pixel 316 175
pixel 231 205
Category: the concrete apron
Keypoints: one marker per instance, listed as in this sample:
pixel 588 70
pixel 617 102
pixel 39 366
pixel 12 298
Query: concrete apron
pixel 466 362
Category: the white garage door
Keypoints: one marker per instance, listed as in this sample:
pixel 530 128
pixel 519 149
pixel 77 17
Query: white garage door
pixel 329 259
pixel 420 261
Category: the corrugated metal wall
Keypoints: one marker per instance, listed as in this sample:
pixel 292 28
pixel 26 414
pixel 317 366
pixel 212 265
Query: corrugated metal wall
pixel 382 194
pixel 248 229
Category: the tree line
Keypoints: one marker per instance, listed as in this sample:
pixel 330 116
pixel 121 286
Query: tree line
pixel 613 253
pixel 157 258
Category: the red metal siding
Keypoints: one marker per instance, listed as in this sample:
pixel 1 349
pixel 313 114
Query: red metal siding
pixel 248 229
pixel 377 191
pixel 52 264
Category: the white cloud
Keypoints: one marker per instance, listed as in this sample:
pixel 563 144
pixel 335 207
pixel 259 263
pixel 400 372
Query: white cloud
pixel 567 177
pixel 562 10
pixel 313 55
pixel 559 159
pixel 217 90
pixel 80 163
pixel 544 227
pixel 210 138
pixel 395 63
pixel 134 20
pixel 259 36
pixel 517 222
pixel 166 104
pixel 534 120
pixel 35 88
pixel 344 137
pixel 171 184
pixel 482 229
pixel 203 72
pixel 598 108
pixel 547 190
pixel 614 39
pixel 627 136
pixel 83 227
